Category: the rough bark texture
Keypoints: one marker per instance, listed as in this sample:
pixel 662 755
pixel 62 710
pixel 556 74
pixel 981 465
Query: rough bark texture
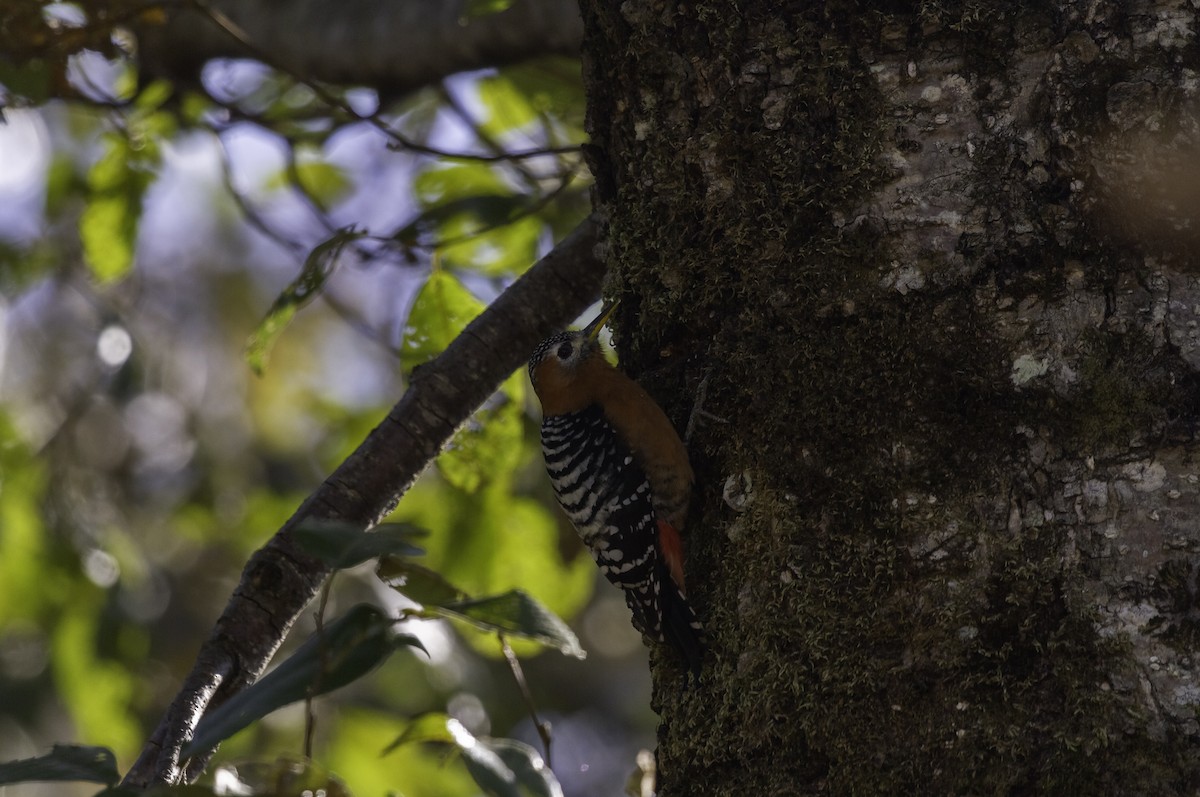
pixel 932 269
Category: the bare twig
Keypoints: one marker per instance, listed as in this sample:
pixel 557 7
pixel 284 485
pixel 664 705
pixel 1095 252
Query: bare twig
pixel 310 719
pixel 514 664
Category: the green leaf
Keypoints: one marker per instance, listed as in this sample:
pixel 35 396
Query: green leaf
pixel 464 216
pixel 107 228
pixel 61 183
pixel 354 735
pixel 29 82
pixel 346 650
pixel 481 8
pixel 527 766
pixel 509 249
pixel 153 95
pixel 493 541
pixel 507 107
pixel 491 443
pixel 25 556
pixel 504 767
pixel 442 309
pixel 342 545
pixel 319 264
pixel 192 107
pixel 439 183
pixel 501 767
pixel 477 218
pixel 430 727
pixel 109 222
pixel 515 613
pixel 63 763
pixel 554 86
pixel 99 691
pixel 417 583
pixel 323 181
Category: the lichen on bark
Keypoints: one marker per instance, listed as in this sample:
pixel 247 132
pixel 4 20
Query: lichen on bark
pixel 947 405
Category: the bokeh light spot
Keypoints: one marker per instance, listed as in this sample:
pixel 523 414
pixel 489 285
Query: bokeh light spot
pixel 114 346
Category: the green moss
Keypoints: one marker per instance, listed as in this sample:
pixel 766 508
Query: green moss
pixel 874 626
pixel 1124 391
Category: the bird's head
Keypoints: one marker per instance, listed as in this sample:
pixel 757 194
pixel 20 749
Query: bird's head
pixel 561 366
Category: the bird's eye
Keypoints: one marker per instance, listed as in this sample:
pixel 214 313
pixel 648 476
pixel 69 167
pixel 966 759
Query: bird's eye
pixel 564 351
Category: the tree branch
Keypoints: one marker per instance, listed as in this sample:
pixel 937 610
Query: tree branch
pixel 280 579
pixel 391 45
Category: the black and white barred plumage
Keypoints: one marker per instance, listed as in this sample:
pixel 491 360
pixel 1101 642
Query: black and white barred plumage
pixel 622 477
pixel 607 498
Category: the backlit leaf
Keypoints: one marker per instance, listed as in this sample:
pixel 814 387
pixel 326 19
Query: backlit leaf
pixel 108 224
pixel 504 767
pixel 464 216
pixel 439 184
pixel 153 95
pixel 319 264
pixel 491 541
pixel 342 545
pixel 442 309
pixel 107 228
pixel 355 735
pixel 97 690
pixel 527 765
pixel 553 86
pixel 516 613
pixel 326 182
pixel 24 558
pixel 481 8
pixel 501 767
pixel 508 249
pixel 416 582
pixel 431 727
pixel 506 105
pixel 477 219
pixel 491 442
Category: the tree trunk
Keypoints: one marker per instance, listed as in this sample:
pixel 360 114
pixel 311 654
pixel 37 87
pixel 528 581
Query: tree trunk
pixel 922 281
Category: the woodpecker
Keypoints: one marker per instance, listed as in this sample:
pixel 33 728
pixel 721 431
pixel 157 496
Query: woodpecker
pixel 621 474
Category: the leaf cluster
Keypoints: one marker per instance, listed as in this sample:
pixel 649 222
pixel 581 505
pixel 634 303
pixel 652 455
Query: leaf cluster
pixel 342 652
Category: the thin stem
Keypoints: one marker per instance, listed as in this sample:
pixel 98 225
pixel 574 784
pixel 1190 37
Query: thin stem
pixel 310 718
pixel 514 664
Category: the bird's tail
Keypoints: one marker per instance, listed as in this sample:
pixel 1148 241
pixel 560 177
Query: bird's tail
pixel 681 628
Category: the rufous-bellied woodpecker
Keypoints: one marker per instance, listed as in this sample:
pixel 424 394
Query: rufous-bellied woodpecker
pixel 622 475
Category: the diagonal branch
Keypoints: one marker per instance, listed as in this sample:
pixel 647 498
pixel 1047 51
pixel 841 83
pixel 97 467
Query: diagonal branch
pixel 280 579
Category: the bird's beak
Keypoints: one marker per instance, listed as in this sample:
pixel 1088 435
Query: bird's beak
pixel 592 330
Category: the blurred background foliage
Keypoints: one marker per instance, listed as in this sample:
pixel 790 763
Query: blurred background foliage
pixel 159 244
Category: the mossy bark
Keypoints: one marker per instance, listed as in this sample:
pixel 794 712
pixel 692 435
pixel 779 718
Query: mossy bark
pixel 921 279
